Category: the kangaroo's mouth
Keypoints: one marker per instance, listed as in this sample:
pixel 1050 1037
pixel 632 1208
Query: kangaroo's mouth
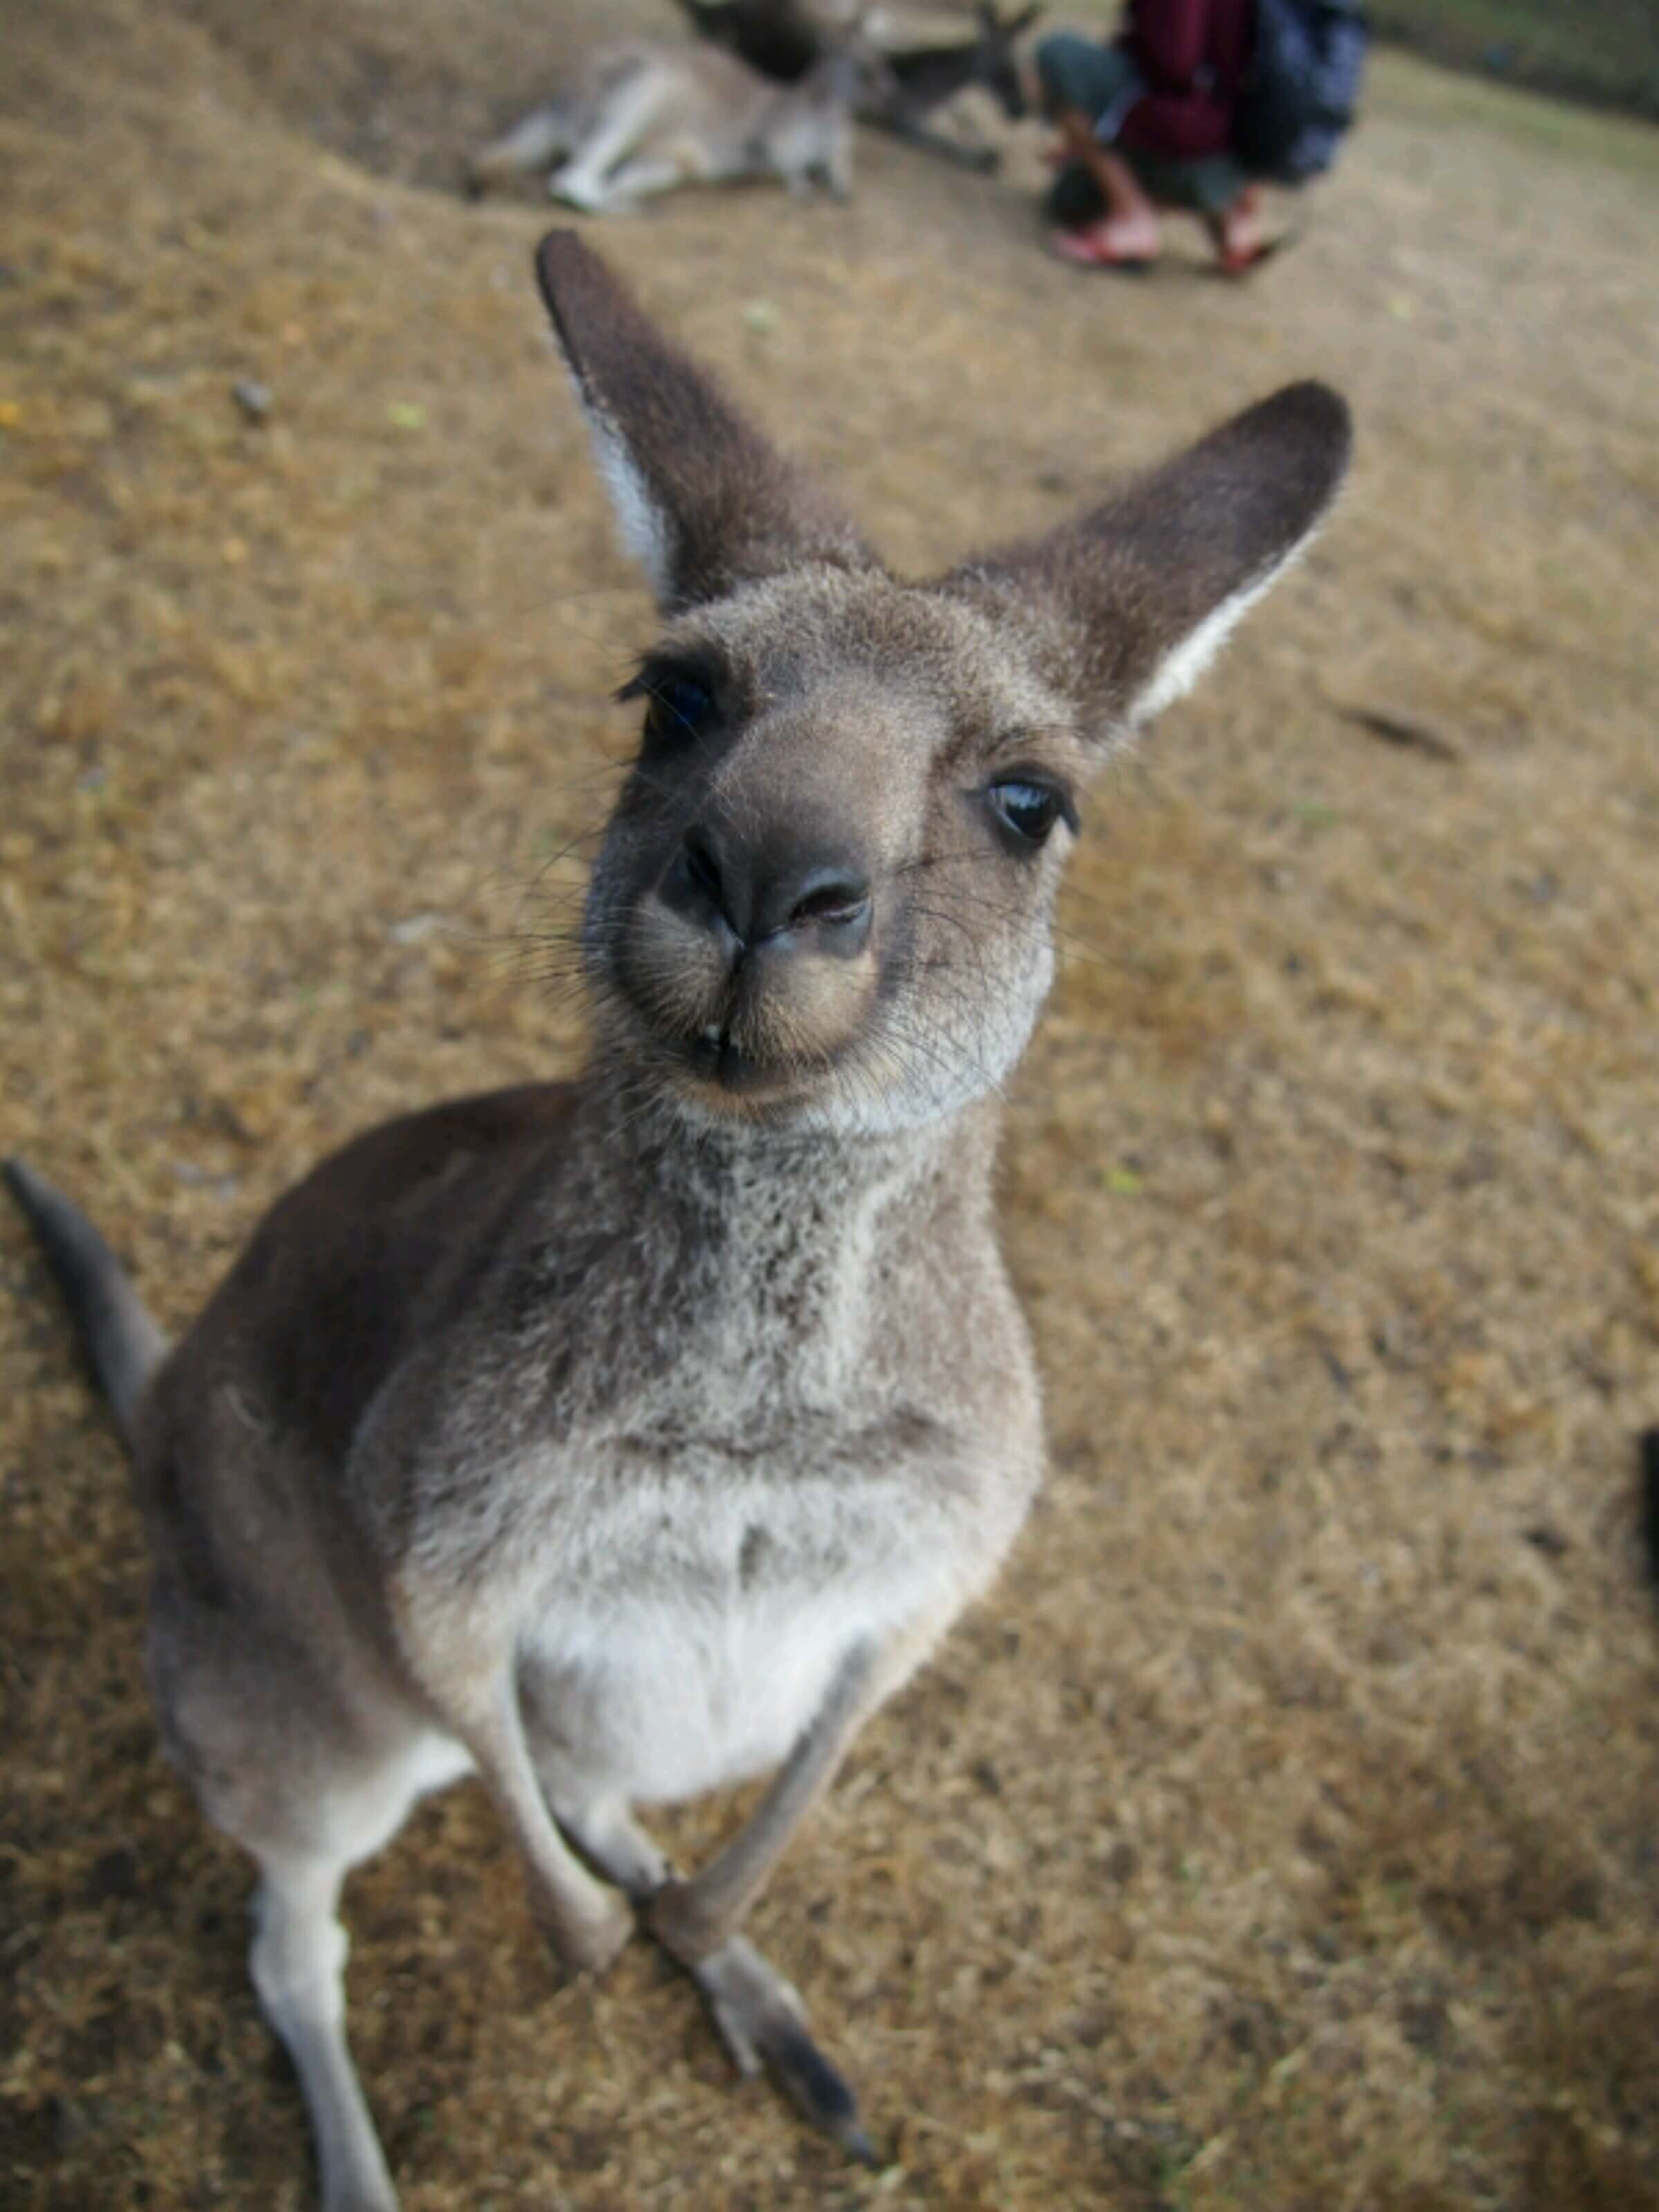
pixel 718 1060
pixel 766 1024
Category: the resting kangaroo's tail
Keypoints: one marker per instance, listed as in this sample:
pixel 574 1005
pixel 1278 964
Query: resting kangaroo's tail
pixel 118 1337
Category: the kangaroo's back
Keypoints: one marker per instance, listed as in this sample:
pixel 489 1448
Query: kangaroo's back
pixel 356 1262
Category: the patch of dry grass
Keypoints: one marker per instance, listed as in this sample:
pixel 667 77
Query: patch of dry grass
pixel 1281 1833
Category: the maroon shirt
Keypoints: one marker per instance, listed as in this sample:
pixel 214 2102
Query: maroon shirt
pixel 1193 54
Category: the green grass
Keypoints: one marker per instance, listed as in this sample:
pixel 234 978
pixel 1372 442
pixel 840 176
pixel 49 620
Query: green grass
pixel 1602 50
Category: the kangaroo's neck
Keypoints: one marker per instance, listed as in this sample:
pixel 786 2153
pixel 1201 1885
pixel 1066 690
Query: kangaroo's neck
pixel 694 1278
pixel 755 1184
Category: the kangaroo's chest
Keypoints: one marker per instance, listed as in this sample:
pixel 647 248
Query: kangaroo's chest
pixel 690 1635
pixel 716 1484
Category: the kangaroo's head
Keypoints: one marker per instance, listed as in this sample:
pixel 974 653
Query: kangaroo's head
pixel 996 64
pixel 848 72
pixel 824 897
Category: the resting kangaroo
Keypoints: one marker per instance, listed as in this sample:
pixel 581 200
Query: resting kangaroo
pixel 781 38
pixel 649 115
pixel 620 1439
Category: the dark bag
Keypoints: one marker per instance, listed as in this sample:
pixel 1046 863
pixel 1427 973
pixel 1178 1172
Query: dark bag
pixel 1298 95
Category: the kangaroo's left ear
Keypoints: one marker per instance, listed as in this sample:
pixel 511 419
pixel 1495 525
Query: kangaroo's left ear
pixel 703 500
pixel 1147 586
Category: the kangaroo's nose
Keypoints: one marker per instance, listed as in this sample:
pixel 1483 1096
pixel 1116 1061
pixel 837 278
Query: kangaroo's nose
pixel 775 887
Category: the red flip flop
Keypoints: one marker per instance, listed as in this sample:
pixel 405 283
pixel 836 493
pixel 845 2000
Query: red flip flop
pixel 1232 262
pixel 1086 249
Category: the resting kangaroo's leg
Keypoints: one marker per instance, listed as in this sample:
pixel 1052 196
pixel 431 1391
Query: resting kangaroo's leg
pixel 297 1962
pixel 964 152
pixel 640 180
pixel 543 135
pixel 629 113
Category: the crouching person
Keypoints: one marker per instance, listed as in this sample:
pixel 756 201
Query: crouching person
pixel 1147 123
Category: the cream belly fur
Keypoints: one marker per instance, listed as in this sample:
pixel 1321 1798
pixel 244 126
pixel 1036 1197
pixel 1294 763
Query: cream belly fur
pixel 704 1654
pixel 654 1686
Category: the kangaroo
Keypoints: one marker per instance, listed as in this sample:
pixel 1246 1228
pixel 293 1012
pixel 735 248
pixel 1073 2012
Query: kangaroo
pixel 781 39
pixel 649 115
pixel 620 1439
pixel 924 78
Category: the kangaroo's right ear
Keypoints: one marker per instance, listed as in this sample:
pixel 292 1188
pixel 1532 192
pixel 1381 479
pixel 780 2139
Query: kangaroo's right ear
pixel 1147 586
pixel 704 500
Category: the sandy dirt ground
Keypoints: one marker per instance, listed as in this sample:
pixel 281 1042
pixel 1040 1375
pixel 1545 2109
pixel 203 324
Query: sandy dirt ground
pixel 1281 1835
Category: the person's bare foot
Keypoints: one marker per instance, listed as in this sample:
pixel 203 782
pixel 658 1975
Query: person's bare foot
pixel 1237 231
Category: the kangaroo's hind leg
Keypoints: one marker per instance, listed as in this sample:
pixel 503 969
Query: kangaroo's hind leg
pixel 623 123
pixel 307 1758
pixel 545 136
pixel 307 1812
pixel 297 1962
pixel 643 178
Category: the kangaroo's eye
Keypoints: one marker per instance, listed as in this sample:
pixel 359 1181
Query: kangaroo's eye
pixel 679 706
pixel 1029 810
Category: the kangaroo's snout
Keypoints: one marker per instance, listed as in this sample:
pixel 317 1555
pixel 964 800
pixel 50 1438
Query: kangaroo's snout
pixel 752 955
pixel 755 891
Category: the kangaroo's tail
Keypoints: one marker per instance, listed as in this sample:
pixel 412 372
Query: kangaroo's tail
pixel 123 1344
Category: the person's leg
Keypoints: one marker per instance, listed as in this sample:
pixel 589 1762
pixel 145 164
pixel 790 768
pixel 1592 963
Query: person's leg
pixel 1236 229
pixel 1073 199
pixel 1128 231
pixel 1079 81
pixel 1222 195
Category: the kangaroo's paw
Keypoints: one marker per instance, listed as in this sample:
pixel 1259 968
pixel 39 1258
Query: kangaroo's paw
pixel 762 2024
pixel 588 1945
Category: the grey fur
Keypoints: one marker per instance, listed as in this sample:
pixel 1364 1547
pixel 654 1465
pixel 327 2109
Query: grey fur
pixel 648 115
pixel 123 1345
pixel 781 38
pixel 621 1439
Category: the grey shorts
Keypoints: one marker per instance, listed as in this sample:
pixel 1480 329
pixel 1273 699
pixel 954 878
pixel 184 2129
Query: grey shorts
pixel 1102 82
